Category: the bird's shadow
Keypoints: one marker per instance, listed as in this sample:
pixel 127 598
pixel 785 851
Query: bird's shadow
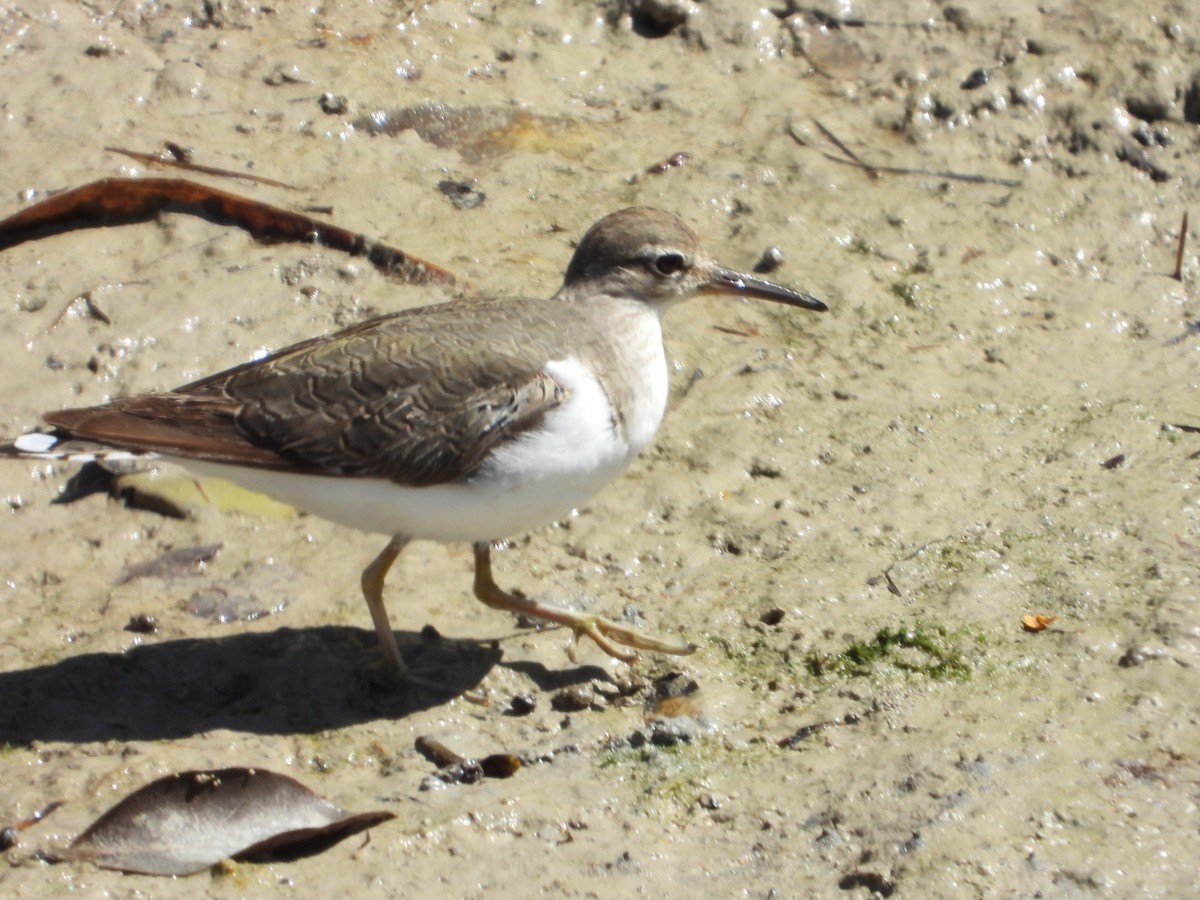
pixel 282 682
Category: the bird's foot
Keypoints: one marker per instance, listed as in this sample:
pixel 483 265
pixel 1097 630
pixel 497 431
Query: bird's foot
pixel 607 635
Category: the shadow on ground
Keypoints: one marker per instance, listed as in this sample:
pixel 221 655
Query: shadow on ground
pixel 282 682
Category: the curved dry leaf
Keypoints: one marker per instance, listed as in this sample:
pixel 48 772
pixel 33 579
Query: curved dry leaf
pixel 187 822
pixel 1037 623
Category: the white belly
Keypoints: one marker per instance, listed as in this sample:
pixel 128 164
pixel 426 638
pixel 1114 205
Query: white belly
pixel 524 484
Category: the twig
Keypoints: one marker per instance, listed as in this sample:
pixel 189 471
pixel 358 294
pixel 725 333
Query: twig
pixel 887 573
pixel 155 160
pixel 1183 228
pixel 850 154
pixel 91 307
pixel 852 159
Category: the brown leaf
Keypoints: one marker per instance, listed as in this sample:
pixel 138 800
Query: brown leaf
pixel 122 201
pixel 1037 623
pixel 189 821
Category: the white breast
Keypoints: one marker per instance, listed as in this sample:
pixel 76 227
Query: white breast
pixel 524 484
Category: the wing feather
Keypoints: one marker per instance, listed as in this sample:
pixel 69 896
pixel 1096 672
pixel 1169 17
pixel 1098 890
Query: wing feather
pixel 420 397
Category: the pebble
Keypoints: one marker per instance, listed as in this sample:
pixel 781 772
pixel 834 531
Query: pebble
pixel 771 259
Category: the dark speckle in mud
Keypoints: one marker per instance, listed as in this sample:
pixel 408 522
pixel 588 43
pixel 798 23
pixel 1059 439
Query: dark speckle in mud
pixel 1131 152
pixel 462 194
pixel 772 616
pixel 672 731
pixel 872 882
pixel 760 469
pixel 658 18
pixel 521 705
pixel 576 698
pixel 771 259
pixel 142 623
pixel 976 79
pixel 674 161
pixel 333 104
pixel 673 685
pixel 1134 657
pixel 1191 99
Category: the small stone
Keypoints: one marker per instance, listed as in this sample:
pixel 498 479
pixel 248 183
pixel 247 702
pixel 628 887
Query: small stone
pixel 976 79
pixel 522 704
pixel 1132 658
pixel 771 259
pixel 285 73
pixel 1191 99
pixel 576 698
pixel 772 616
pixel 675 684
pixel 333 104
pixel 657 17
pixel 674 731
pixel 462 194
pixel 142 623
pixel 1152 97
pixel 432 783
pixel 102 48
pixel 959 17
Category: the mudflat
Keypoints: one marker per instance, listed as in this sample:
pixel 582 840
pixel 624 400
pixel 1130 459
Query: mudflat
pixel 852 513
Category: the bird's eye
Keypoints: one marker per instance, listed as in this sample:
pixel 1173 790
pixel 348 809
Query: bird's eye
pixel 670 263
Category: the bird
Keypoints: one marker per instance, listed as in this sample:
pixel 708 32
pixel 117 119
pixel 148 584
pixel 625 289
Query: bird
pixel 472 420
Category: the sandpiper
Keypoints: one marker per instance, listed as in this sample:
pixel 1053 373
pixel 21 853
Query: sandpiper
pixel 471 420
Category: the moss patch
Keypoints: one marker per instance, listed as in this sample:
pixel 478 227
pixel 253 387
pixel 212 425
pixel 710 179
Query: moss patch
pixel 930 651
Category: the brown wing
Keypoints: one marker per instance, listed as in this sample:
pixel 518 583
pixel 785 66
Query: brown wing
pixel 414 397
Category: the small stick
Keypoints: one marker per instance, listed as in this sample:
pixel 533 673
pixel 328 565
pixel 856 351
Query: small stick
pixel 156 160
pixel 850 154
pixel 852 159
pixel 89 304
pixel 892 587
pixel 1183 228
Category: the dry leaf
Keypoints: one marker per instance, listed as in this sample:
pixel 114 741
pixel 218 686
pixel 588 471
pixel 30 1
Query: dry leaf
pixel 189 821
pixel 1037 623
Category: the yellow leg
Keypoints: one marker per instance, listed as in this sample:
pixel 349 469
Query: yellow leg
pixel 606 634
pixel 372 587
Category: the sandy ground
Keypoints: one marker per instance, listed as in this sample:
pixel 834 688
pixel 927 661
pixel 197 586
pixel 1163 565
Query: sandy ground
pixel 986 415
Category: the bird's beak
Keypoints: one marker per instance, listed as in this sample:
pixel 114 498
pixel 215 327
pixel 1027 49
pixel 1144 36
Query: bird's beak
pixel 726 281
